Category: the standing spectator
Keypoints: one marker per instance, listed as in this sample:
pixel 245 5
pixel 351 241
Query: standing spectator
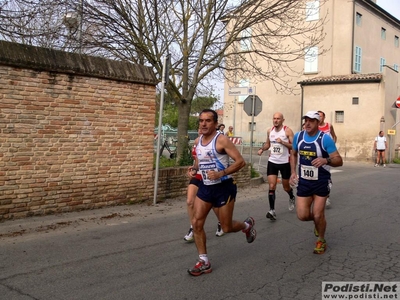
pixel 279 141
pixel 221 128
pixel 380 145
pixel 315 152
pixel 217 188
pixel 230 131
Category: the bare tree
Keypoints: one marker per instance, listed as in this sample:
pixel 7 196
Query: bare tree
pixel 207 39
pixel 30 23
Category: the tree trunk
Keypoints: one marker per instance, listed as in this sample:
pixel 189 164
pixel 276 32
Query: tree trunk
pixel 183 124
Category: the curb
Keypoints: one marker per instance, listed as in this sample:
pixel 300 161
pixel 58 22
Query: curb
pixel 257 181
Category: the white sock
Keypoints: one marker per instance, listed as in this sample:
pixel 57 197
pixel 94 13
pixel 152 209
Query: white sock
pixel 204 258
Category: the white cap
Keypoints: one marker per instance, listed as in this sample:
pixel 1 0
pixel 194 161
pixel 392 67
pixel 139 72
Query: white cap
pixel 312 114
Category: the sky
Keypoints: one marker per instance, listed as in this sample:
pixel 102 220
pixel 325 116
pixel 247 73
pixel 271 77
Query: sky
pixel 391 6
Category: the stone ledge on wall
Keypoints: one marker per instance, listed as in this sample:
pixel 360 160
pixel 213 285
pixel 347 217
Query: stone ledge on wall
pixel 173 182
pixel 39 58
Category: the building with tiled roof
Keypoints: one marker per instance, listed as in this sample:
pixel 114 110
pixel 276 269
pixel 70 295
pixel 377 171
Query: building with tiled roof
pixel 356 82
pixel 336 79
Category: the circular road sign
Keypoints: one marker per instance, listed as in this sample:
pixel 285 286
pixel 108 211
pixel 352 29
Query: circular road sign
pixel 398 102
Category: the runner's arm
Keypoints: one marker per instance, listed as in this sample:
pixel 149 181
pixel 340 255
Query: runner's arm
pixel 293 165
pixel 290 136
pixel 225 144
pixel 335 160
pixel 293 156
pixel 266 145
pixel 333 134
pixel 192 170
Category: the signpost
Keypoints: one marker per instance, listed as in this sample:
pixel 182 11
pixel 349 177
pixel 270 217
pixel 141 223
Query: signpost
pixel 398 102
pixel 248 105
pixel 392 132
pixel 165 78
pixel 239 91
pixel 252 105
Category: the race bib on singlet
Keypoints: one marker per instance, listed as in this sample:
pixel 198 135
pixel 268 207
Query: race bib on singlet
pixel 309 172
pixel 276 149
pixel 204 168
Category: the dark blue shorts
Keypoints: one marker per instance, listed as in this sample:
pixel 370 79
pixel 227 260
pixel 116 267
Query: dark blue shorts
pixel 273 169
pixel 195 181
pixel 218 194
pixel 307 188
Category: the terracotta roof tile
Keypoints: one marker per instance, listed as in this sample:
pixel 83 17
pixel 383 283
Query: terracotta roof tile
pixel 350 78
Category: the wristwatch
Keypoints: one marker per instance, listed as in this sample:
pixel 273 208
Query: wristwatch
pixel 328 161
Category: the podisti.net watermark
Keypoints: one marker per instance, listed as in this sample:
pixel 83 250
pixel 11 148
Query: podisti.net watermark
pixel 360 290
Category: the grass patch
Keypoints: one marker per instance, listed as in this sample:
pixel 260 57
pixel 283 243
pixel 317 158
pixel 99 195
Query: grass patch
pixel 254 173
pixel 396 160
pixel 186 160
pixel 165 162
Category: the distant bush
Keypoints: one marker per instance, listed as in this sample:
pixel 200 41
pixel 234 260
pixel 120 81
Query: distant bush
pixel 186 159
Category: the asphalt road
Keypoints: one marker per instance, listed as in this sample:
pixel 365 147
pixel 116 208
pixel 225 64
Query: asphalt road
pixel 138 252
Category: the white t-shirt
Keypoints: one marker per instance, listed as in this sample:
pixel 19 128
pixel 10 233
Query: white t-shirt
pixel 380 142
pixel 279 153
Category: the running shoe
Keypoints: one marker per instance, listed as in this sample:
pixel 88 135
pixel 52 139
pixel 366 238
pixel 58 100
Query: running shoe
pixel 316 232
pixel 328 202
pixel 320 247
pixel 189 236
pixel 291 203
pixel 200 268
pixel 219 231
pixel 250 232
pixel 384 165
pixel 271 215
pixel 376 165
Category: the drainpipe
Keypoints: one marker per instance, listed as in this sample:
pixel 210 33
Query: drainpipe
pixel 352 38
pixel 301 106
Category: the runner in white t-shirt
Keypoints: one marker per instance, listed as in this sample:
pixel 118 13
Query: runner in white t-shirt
pixel 279 141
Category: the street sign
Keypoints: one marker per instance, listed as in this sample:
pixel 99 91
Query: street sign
pixel 391 131
pixel 398 102
pixel 248 105
pixel 241 91
pixel 252 90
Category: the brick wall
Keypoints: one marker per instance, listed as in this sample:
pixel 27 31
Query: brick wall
pixel 76 132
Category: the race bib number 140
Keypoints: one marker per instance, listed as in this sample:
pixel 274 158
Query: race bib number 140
pixel 309 172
